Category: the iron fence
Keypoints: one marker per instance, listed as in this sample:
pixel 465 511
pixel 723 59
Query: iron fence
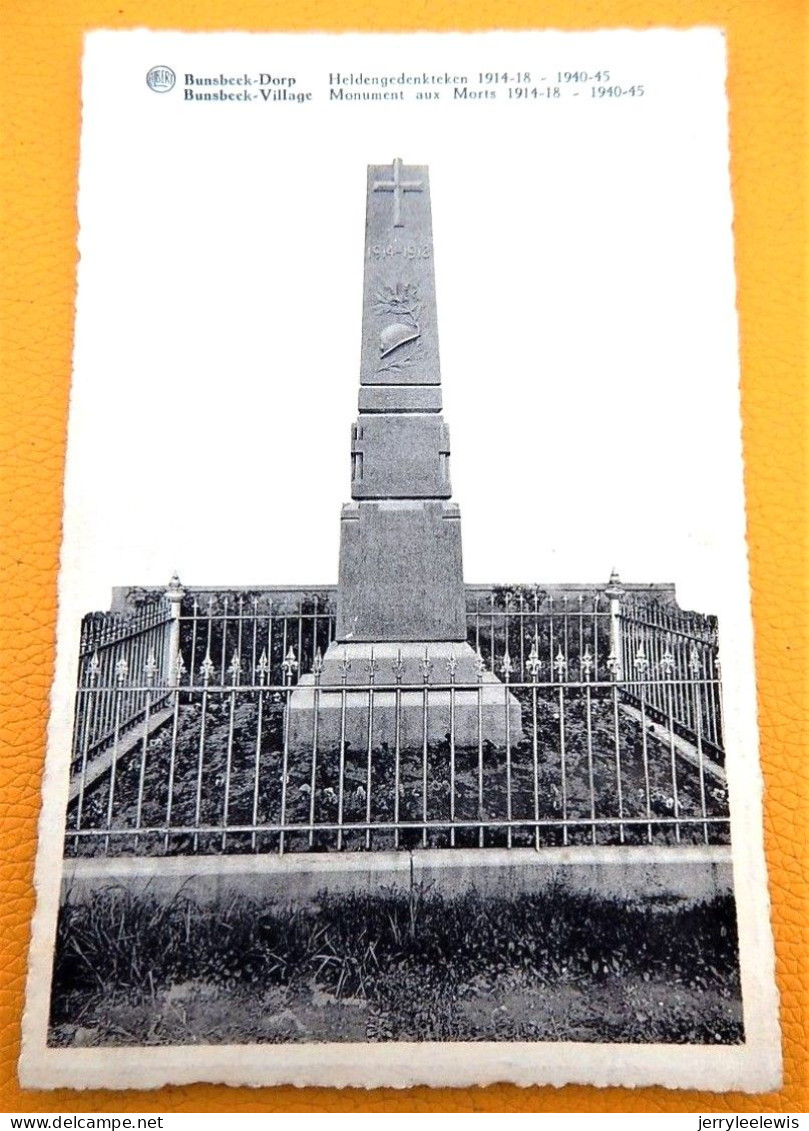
pixel 660 648
pixel 117 653
pixel 221 624
pixel 199 747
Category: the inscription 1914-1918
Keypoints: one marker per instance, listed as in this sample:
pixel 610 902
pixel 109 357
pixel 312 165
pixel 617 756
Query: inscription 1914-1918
pixel 407 251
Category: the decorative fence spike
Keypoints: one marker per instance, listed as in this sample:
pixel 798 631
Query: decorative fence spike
pixel 533 663
pixel 398 666
pixel 150 668
pixel 178 668
pixel 263 666
pixel 452 665
pixel 480 665
pixel 345 665
pixel 694 661
pixel 290 664
pixel 371 666
pixel 121 670
pixel 93 668
pixel 667 662
pixel 614 663
pixel 587 662
pixel 426 666
pixel 507 667
pixel 560 665
pixel 641 662
pixel 235 669
pixel 317 663
pixel 207 669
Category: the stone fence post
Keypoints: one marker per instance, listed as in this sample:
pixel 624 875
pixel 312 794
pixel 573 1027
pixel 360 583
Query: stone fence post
pixel 614 592
pixel 174 596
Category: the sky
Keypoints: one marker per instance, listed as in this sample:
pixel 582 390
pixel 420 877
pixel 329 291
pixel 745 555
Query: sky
pixel 585 292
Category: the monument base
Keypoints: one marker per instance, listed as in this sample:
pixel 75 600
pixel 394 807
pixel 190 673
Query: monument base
pixel 400 705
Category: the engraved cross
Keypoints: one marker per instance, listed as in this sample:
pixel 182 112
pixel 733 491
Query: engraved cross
pixel 397 186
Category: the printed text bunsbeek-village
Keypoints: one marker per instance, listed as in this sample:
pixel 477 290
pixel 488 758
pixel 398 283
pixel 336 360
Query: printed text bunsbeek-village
pixel 421 86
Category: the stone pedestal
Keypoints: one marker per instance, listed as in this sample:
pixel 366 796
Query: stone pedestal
pixel 346 701
pixel 401 575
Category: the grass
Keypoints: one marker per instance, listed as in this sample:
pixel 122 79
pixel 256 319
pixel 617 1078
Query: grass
pixel 131 969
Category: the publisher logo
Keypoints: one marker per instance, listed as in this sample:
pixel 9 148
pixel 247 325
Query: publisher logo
pixel 160 79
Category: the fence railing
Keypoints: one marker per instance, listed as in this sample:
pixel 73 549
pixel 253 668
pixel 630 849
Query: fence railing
pixel 660 648
pixel 119 654
pixel 254 625
pixel 198 735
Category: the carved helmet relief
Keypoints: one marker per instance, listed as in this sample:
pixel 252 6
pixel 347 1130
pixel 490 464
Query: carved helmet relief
pixel 403 301
pixel 395 335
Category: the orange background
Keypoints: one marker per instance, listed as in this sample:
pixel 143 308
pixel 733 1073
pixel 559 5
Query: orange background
pixel 39 86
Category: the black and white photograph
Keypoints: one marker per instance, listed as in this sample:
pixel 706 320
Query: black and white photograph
pixel 403 728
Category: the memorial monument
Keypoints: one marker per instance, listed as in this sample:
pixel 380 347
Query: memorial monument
pixel 401 614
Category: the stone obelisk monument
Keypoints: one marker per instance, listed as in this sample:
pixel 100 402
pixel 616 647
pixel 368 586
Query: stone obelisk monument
pixel 401 577
pixel 401 612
